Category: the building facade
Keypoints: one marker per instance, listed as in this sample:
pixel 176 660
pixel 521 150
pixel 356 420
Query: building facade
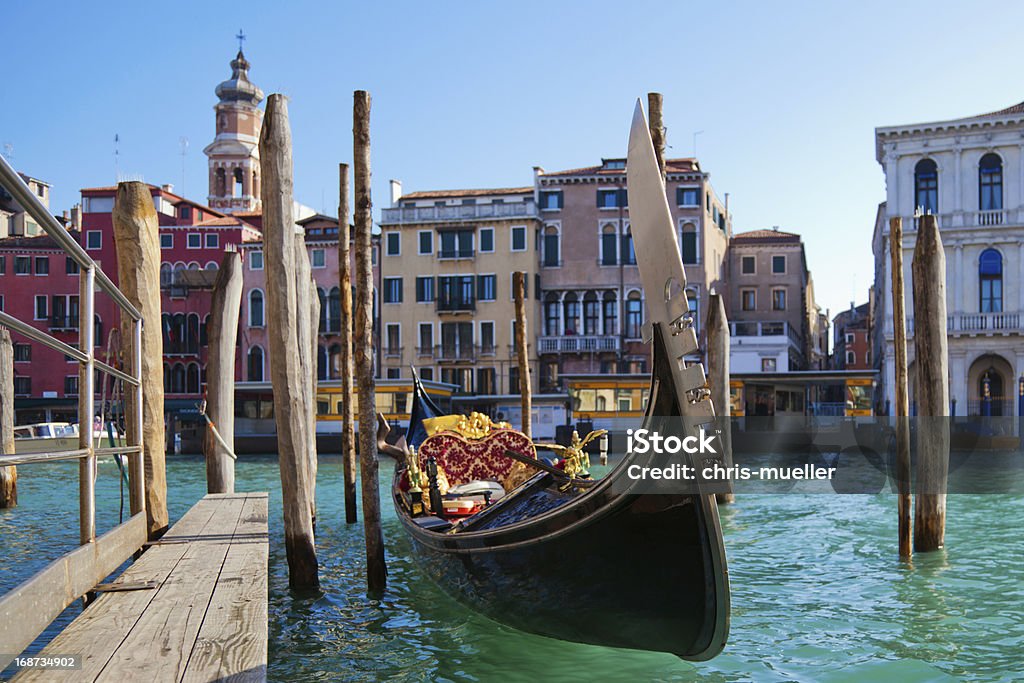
pixel 447 304
pixel 775 324
pixel 14 221
pixel 592 301
pixel 970 173
pixel 852 344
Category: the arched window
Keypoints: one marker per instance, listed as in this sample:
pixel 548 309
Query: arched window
pixel 204 330
pixel 688 246
pixel 334 310
pixel 321 362
pixel 178 379
pixel 220 182
pixel 211 265
pixel 255 370
pixel 611 313
pixel 692 300
pixel 634 315
pixel 236 186
pixel 255 308
pixel 551 247
pixel 179 268
pixel 926 186
pixel 192 340
pixel 323 309
pixel 609 245
pixel 165 324
pixel 166 275
pixel 571 306
pixel 178 333
pixel 990 183
pixel 551 314
pixel 591 313
pixel 192 379
pixel 628 255
pixel 990 276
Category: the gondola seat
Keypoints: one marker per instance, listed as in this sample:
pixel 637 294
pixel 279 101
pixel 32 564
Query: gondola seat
pixel 464 460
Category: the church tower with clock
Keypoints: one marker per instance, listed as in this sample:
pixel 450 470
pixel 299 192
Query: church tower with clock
pixel 234 155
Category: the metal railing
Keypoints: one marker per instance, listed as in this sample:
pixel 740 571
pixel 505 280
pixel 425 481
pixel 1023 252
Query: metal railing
pixel 432 214
pixel 578 343
pixel 90 278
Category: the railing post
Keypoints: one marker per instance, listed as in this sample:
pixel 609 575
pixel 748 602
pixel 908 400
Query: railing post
pixel 86 377
pixel 137 493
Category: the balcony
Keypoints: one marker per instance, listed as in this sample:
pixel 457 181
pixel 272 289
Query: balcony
pixel 974 324
pixel 970 219
pixel 392 351
pixel 449 353
pixel 455 254
pixel 454 304
pixel 578 344
pixel 63 322
pixel 474 212
pixel 768 328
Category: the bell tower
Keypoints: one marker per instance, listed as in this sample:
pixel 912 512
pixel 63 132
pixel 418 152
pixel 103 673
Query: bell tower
pixel 234 154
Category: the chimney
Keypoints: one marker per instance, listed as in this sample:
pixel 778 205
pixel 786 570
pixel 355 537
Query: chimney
pixel 396 192
pixel 76 217
pixel 167 187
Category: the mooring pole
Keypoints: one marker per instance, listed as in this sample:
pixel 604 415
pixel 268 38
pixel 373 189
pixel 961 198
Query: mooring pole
pixel 523 350
pixel 718 378
pixel 283 322
pixel 376 571
pixel 221 337
pixel 307 306
pixel 657 127
pixel 137 236
pixel 348 432
pixel 899 322
pixel 8 475
pixel 932 361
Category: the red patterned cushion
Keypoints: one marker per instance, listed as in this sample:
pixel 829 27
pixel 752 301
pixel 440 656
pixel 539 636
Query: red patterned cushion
pixel 465 460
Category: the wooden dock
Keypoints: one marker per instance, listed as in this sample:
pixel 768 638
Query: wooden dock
pixel 192 608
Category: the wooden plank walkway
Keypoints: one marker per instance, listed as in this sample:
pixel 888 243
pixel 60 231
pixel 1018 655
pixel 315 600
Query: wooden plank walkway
pixel 206 620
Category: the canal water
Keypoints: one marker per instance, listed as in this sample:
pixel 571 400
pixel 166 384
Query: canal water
pixel 817 592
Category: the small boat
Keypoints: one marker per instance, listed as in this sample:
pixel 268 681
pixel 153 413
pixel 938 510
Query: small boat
pixel 554 552
pixel 52 437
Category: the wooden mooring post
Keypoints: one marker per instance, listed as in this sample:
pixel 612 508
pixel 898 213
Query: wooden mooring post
pixel 348 429
pixel 932 360
pixel 718 378
pixel 136 234
pixel 283 321
pixel 222 335
pixel 899 320
pixel 656 125
pixel 307 305
pixel 523 351
pixel 376 571
pixel 8 475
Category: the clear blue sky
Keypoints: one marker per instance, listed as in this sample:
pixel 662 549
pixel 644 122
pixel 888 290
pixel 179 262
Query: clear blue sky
pixel 476 94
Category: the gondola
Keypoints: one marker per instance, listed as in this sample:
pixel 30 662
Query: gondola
pixel 564 556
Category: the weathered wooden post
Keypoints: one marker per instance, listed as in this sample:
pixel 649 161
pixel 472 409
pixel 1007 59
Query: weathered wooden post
pixel 718 378
pixel 283 321
pixel 932 359
pixel 657 127
pixel 899 322
pixel 136 234
pixel 222 335
pixel 523 350
pixel 348 431
pixel 376 571
pixel 307 305
pixel 8 475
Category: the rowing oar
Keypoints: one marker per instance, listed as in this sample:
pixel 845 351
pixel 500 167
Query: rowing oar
pixel 550 469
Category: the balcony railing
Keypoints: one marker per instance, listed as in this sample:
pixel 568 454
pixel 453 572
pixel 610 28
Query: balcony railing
pixel 456 352
pixel 765 328
pixel 455 304
pixel 435 214
pixel 959 324
pixel 455 253
pixel 392 351
pixel 969 219
pixel 570 343
pixel 64 322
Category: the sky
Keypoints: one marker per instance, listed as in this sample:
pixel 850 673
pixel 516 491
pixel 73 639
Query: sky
pixel 786 96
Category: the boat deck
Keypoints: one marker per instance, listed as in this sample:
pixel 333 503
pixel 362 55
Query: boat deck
pixel 192 608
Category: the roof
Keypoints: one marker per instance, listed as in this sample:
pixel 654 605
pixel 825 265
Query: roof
pixel 37 242
pixel 318 217
pixel 247 213
pixel 687 165
pixel 438 194
pixel 766 236
pixel 1014 109
pixel 151 186
pixel 217 222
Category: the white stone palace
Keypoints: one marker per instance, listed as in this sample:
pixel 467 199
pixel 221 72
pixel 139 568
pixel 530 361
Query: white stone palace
pixel 970 172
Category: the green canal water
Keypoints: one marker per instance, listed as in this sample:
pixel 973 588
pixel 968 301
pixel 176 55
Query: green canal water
pixel 817 592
